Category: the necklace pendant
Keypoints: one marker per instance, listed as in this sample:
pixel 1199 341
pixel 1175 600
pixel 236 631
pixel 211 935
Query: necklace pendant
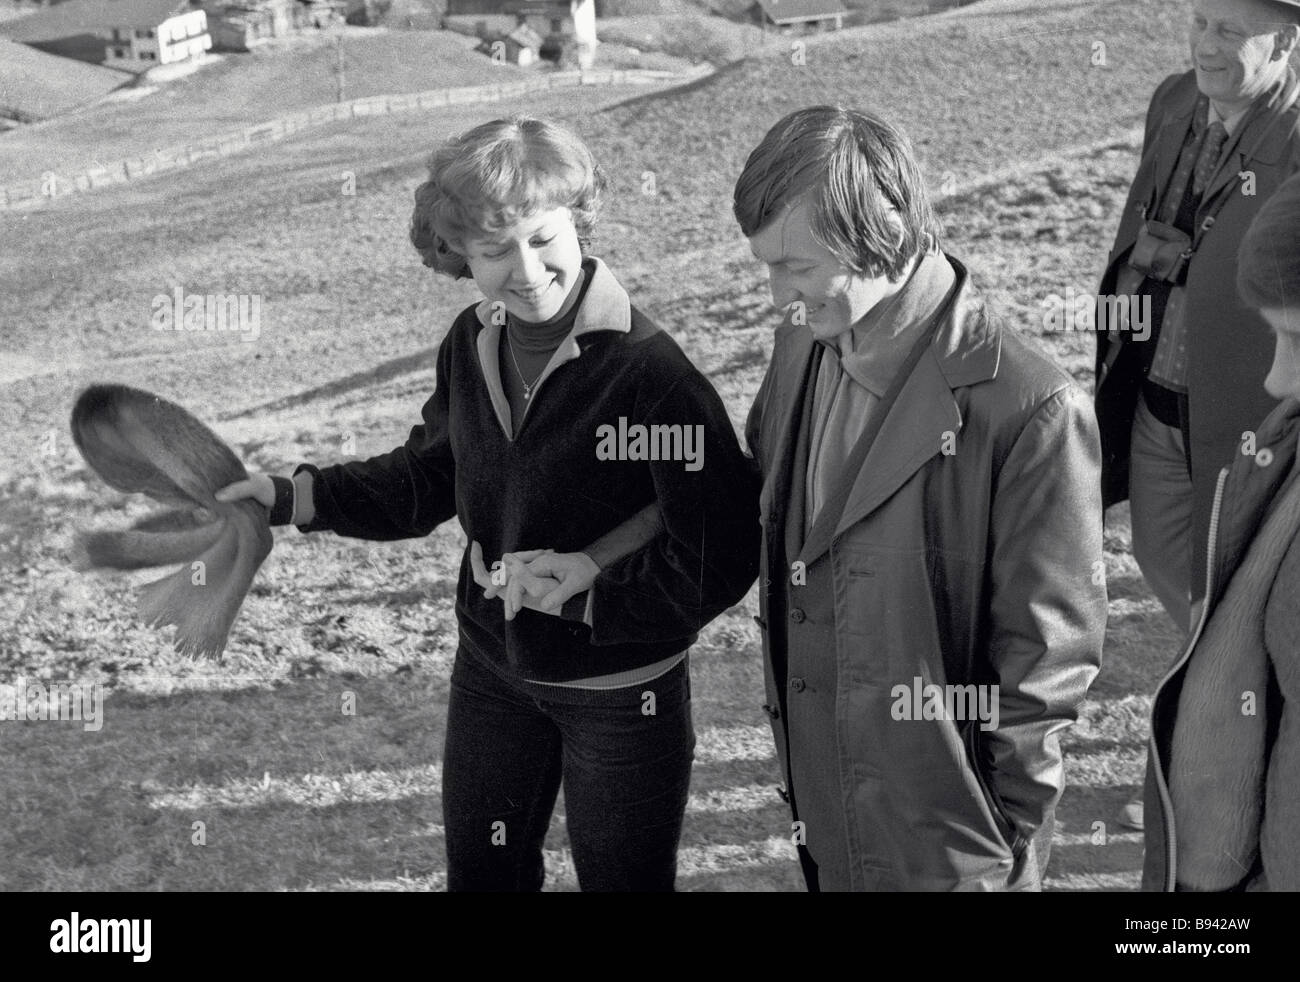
pixel 528 392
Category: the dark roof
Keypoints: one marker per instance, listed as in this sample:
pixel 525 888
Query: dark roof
pixel 794 11
pixel 525 37
pixel 87 16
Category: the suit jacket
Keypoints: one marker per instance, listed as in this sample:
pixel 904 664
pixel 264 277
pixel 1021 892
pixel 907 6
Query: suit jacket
pixel 968 552
pixel 1230 346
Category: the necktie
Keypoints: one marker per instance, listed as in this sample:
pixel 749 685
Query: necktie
pixel 1188 157
pixel 1208 161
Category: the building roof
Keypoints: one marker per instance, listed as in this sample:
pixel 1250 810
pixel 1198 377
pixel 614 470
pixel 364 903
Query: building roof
pixel 797 11
pixel 39 85
pixel 238 6
pixel 525 37
pixel 88 16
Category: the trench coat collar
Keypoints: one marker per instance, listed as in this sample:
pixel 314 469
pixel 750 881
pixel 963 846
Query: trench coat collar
pixel 965 350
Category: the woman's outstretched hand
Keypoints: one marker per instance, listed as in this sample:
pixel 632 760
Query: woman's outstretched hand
pixel 256 486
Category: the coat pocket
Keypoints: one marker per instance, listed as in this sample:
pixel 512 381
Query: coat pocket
pixel 1015 842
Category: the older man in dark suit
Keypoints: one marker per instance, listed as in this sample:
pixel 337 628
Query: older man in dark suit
pixel 1175 405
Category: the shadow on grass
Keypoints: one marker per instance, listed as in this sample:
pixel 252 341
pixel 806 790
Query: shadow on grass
pixel 436 590
pixel 307 785
pixel 383 372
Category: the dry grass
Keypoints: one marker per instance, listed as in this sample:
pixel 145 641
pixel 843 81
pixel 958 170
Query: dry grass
pixel 344 360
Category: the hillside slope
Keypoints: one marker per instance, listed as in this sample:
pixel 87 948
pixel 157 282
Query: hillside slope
pixel 234 91
pixel 350 320
pixel 35 85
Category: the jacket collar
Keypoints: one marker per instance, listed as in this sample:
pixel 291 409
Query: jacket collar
pixel 873 351
pixel 605 307
pixel 966 349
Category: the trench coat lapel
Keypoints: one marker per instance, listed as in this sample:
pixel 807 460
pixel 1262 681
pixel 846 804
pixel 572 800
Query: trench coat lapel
pixel 912 432
pixel 965 350
pixel 792 354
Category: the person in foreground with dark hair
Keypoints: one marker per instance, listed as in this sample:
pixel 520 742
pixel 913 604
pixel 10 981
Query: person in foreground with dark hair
pixel 559 412
pixel 932 593
pixel 1223 773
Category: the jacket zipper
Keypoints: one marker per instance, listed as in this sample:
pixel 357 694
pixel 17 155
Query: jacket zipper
pixel 1166 803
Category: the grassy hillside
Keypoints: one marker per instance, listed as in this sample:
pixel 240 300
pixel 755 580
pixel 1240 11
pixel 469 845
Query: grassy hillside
pixel 741 11
pixel 350 320
pixel 35 85
pixel 240 90
pixel 699 37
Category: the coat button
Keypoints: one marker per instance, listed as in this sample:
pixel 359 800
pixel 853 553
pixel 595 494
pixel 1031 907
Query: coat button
pixel 772 711
pixel 797 684
pixel 798 616
pixel 785 795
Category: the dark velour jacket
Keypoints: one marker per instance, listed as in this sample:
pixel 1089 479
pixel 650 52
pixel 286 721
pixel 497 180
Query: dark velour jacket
pixel 550 488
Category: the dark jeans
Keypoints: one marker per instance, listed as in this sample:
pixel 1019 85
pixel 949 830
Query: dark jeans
pixel 626 778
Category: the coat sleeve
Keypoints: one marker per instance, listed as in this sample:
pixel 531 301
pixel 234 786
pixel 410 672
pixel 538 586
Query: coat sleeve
pixel 1048 606
pixel 705 557
pixel 402 494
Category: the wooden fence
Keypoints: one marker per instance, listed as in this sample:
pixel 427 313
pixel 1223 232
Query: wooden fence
pixel 33 193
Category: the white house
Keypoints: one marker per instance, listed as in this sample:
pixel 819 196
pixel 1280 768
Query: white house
pixel 571 18
pixel 144 33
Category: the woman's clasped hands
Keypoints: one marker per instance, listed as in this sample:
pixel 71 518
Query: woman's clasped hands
pixel 539 579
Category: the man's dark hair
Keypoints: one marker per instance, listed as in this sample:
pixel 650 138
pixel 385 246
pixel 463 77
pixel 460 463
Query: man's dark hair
pixel 868 199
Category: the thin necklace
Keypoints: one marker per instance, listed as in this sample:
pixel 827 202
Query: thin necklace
pixel 528 386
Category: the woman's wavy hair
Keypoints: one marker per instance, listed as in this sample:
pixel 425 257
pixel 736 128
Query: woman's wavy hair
pixel 866 192
pixel 1268 260
pixel 495 174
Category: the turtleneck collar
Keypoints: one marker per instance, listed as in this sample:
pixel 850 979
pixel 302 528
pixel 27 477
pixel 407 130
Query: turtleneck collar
pixel 545 336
